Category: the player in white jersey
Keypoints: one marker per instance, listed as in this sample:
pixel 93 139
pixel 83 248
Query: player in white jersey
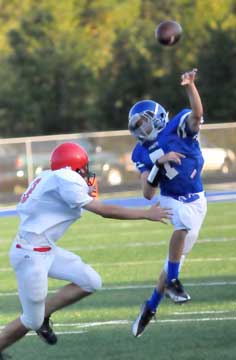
pixel 52 202
pixel 168 154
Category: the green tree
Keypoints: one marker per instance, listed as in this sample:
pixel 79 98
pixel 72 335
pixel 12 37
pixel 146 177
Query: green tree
pixel 78 65
pixel 218 75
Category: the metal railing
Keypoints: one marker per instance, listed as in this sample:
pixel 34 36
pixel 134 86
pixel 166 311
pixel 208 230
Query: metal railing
pixel 21 159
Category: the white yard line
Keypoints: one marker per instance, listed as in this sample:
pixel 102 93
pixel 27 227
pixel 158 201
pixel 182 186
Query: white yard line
pixel 95 323
pixel 197 284
pixel 201 312
pixel 88 248
pixel 128 322
pixel 197 319
pixel 136 263
pixel 61 332
pixel 137 287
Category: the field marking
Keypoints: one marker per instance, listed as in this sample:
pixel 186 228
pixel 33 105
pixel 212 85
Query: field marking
pixel 95 323
pixel 137 287
pixel 133 287
pixel 135 263
pixel 59 332
pixel 125 322
pixel 197 319
pixel 202 312
pixel 147 244
pixel 128 322
pixel 137 244
pixel 214 196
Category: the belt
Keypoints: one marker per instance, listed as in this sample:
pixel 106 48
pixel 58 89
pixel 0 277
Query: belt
pixel 188 198
pixel 39 249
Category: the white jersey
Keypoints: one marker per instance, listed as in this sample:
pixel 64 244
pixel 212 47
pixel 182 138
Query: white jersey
pixel 52 202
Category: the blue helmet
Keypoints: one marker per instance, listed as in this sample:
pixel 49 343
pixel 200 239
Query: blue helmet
pixel 146 119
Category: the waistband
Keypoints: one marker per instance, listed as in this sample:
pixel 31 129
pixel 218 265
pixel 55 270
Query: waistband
pixel 41 245
pixel 188 198
pixel 39 249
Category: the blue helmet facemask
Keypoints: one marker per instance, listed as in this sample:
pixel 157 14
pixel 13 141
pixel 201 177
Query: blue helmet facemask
pixel 146 119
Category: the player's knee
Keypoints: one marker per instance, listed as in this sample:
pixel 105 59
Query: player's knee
pixel 93 280
pixel 36 287
pixel 37 295
pixel 193 236
pixel 32 323
pixel 97 285
pixel 190 241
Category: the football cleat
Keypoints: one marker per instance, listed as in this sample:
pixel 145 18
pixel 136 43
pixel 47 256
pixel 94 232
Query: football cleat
pixel 175 291
pixel 46 332
pixel 143 319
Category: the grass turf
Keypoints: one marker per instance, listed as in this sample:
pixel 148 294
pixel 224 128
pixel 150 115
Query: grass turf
pixel 129 255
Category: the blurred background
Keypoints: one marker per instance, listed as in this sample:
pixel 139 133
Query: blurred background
pixel 71 69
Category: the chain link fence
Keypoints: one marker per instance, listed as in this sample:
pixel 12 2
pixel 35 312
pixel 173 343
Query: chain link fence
pixel 21 159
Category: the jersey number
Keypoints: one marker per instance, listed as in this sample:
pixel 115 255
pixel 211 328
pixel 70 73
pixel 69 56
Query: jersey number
pixel 26 195
pixel 170 171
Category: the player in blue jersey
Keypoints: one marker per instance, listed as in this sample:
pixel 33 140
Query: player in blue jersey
pixel 168 155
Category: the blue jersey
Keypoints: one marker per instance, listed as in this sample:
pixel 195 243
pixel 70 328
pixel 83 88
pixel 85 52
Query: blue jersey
pixel 175 180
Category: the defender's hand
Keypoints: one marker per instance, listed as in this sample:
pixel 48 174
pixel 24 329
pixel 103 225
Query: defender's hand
pixel 92 191
pixel 156 213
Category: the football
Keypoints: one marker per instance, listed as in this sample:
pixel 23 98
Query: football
pixel 168 32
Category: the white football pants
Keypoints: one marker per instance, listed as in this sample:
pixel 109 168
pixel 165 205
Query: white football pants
pixel 32 271
pixel 189 216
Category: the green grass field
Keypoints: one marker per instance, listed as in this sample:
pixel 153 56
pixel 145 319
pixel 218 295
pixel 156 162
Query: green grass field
pixel 129 255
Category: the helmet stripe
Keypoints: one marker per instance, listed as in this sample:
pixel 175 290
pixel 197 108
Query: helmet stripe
pixel 156 108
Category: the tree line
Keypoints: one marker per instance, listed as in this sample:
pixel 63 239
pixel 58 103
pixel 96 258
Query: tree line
pixel 78 65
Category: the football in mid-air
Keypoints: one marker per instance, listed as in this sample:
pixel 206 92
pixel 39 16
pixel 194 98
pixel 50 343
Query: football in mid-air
pixel 168 32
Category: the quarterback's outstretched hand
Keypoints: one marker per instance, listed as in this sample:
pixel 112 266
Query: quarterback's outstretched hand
pixel 156 213
pixel 188 77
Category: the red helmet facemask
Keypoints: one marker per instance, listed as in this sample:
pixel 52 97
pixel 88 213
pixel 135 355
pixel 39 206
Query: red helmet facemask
pixel 85 173
pixel 74 156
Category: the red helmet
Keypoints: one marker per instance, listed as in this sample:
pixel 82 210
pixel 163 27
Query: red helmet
pixel 69 154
